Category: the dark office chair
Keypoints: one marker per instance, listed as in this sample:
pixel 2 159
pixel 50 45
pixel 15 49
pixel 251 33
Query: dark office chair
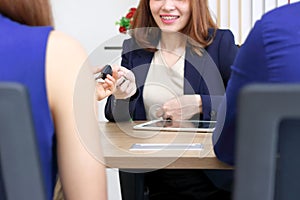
pixel 268 143
pixel 20 170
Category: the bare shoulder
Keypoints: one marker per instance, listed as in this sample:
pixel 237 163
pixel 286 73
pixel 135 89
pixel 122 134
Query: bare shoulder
pixel 64 54
pixel 62 39
pixel 64 60
pixel 61 44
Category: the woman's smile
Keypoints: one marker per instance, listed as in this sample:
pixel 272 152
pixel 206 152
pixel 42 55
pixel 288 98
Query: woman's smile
pixel 169 19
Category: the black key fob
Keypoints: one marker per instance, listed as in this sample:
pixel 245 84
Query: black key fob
pixel 104 72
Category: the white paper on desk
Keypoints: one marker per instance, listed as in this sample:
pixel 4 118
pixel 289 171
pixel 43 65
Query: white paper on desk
pixel 144 147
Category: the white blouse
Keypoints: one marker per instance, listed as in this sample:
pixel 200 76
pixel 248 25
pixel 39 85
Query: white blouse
pixel 162 83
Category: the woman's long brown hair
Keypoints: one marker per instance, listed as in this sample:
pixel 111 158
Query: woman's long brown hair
pixel 29 12
pixel 196 29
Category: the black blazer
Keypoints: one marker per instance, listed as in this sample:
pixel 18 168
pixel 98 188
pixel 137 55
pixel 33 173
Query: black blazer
pixel 206 75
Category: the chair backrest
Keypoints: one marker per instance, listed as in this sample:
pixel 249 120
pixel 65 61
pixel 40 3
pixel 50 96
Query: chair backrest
pixel 20 169
pixel 268 143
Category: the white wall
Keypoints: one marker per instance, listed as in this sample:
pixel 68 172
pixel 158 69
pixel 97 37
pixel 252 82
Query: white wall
pixel 90 21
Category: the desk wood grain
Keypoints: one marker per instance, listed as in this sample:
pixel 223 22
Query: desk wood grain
pixel 117 138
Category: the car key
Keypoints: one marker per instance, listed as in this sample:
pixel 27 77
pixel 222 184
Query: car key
pixel 104 72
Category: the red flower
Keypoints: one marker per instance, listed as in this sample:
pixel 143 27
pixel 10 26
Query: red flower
pixel 129 15
pixel 125 23
pixel 122 29
pixel 132 10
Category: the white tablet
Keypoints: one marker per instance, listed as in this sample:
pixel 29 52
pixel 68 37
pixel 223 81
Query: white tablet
pixel 171 125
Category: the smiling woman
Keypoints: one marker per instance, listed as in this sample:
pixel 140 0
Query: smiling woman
pixel 177 51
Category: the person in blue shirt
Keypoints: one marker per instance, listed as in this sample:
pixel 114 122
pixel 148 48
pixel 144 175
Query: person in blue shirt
pixel 181 63
pixel 270 54
pixel 49 63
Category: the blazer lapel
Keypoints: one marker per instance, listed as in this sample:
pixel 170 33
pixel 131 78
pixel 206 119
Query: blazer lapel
pixel 192 69
pixel 202 75
pixel 141 63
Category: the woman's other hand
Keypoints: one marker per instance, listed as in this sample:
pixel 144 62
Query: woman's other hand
pixel 181 108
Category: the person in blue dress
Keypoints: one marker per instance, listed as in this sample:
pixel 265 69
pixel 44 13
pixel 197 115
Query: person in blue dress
pixel 181 64
pixel 270 54
pixel 48 63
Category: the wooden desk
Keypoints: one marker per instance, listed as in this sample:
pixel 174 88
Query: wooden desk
pixel 117 138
